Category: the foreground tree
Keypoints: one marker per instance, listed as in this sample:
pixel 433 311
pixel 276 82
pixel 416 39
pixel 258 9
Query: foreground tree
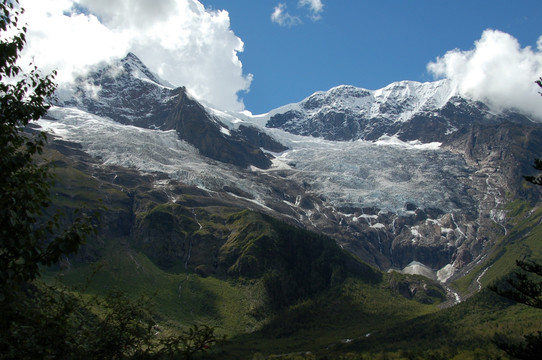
pixel 26 240
pixel 537 180
pixel 37 320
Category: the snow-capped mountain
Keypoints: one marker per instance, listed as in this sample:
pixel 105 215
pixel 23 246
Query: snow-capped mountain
pixel 425 179
pixel 407 109
pixel 127 92
pixel 397 102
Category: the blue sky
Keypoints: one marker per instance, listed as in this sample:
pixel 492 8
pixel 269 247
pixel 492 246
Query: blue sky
pixel 257 55
pixel 363 43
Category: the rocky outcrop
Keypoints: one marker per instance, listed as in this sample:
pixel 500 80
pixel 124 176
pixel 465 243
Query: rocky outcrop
pixel 194 125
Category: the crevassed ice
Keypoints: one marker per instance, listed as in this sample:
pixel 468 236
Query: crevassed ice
pixel 385 174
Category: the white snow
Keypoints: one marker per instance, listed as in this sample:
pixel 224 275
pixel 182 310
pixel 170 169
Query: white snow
pixel 414 144
pixel 137 69
pixel 417 268
pixel 364 173
pixel 414 231
pixel 398 101
pixel 355 173
pixel 445 273
pixel 225 131
pixel 145 149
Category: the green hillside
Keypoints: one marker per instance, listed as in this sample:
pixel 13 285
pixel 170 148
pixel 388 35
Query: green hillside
pixel 272 288
pixel 203 260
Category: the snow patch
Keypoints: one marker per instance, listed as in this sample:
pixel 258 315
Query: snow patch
pixel 445 273
pixel 386 140
pixel 417 268
pixel 225 131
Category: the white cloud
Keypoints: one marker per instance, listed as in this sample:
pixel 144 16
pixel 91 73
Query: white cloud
pixel 182 41
pixel 497 70
pixel 282 17
pixel 315 6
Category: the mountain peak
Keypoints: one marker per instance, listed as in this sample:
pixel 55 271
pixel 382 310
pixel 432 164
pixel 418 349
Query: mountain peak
pixel 137 68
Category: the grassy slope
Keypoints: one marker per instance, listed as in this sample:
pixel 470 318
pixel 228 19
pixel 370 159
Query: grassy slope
pixel 237 306
pixel 523 240
pixel 400 329
pixel 323 324
pixel 178 298
pixel 333 323
pixel 350 311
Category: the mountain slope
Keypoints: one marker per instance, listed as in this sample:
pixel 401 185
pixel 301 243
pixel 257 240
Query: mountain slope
pixel 411 178
pixel 153 226
pixel 424 176
pixel 462 200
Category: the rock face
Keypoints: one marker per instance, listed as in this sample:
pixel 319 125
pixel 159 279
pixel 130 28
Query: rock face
pixel 409 173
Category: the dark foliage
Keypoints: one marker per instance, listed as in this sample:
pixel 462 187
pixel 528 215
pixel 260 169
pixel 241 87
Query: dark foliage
pixel 26 240
pixel 523 286
pixel 54 322
pixel 537 180
pixel 49 322
pixel 307 264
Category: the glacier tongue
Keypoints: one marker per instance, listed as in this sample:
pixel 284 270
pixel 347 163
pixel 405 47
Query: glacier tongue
pixel 384 174
pixel 144 149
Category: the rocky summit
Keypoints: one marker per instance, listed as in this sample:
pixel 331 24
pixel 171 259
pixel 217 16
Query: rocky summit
pixel 412 173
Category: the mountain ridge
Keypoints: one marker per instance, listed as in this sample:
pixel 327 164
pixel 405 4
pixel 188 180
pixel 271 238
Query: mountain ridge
pixel 347 112
pixel 127 92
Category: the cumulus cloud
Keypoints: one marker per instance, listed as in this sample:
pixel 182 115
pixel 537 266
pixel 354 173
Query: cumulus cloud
pixel 180 40
pixel 497 70
pixel 282 17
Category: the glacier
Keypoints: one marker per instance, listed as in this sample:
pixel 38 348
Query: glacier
pixel 386 174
